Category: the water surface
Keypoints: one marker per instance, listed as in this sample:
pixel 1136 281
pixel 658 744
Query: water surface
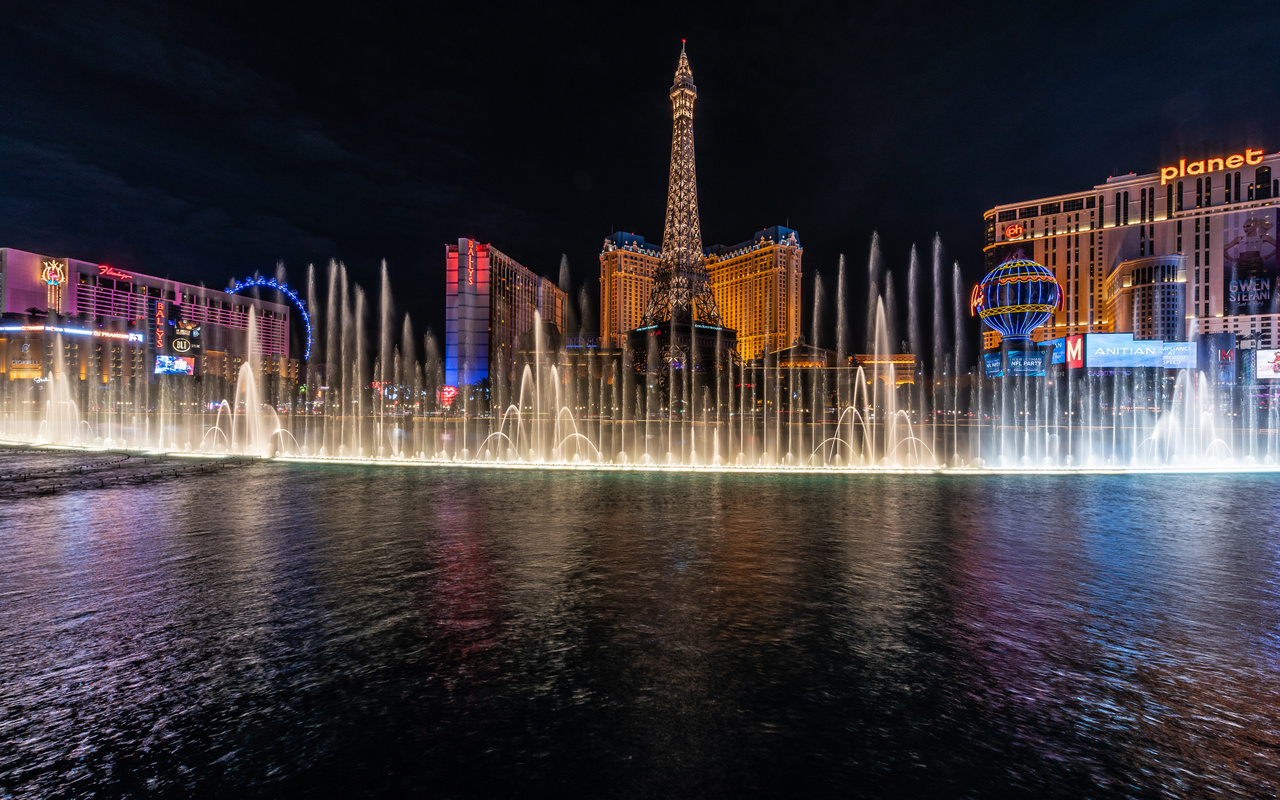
pixel 301 630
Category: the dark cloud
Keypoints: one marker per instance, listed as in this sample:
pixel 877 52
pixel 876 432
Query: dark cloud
pixel 211 140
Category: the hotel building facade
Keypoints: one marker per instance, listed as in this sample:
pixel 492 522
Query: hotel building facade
pixel 1188 249
pixel 490 302
pixel 114 323
pixel 756 285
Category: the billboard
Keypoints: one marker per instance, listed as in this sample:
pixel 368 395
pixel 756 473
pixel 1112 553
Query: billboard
pixel 993 364
pixel 184 339
pixel 1057 350
pixel 1121 350
pixel 26 358
pixel 1217 355
pixel 1025 363
pixel 1075 351
pixel 1249 266
pixel 1268 365
pixel 1179 355
pixel 175 365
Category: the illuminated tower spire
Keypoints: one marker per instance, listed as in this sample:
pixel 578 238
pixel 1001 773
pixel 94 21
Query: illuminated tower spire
pixel 681 290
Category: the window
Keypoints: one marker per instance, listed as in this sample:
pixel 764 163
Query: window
pixel 1028 212
pixel 1126 208
pixel 1050 208
pixel 1199 192
pixel 1008 215
pixel 1073 205
pixel 1208 192
pixel 1090 202
pixel 1262 180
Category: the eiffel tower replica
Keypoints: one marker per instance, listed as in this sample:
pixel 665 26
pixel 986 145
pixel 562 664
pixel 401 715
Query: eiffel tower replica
pixel 682 331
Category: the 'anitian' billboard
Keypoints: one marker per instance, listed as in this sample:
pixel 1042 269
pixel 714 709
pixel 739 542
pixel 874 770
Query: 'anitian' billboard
pixel 1249 268
pixel 1121 350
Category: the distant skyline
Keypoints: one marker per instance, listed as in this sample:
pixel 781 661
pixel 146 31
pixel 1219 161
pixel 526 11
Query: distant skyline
pixel 209 142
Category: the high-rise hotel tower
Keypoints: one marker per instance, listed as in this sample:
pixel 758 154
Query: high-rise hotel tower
pixel 1189 248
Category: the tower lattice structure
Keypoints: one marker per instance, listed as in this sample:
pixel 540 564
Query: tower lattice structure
pixel 681 289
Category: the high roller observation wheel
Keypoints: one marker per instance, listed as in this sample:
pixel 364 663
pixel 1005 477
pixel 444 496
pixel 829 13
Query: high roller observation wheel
pixel 272 283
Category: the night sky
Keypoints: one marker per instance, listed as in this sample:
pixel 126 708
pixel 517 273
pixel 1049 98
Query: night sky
pixel 208 140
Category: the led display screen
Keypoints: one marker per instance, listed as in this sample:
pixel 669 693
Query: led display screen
pixel 1179 355
pixel 993 364
pixel 1268 365
pixel 1027 364
pixel 175 365
pixel 1121 350
pixel 1057 350
pixel 1249 262
pixel 1218 356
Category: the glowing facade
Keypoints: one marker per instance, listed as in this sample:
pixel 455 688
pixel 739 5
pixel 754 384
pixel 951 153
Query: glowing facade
pixel 490 302
pixel 110 299
pixel 627 266
pixel 756 286
pixel 1217 213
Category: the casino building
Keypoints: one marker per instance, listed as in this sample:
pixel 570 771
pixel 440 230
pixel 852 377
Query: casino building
pixel 1189 248
pixel 756 284
pixel 118 324
pixel 490 303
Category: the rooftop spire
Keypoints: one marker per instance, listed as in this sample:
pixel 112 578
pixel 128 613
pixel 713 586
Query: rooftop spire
pixel 681 290
pixel 684 75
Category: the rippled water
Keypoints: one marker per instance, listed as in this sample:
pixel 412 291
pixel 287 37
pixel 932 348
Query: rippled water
pixel 301 630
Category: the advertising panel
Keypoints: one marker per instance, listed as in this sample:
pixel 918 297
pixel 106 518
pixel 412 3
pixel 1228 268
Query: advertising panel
pixel 1057 350
pixel 992 361
pixel 1179 355
pixel 1218 356
pixel 1268 365
pixel 1249 262
pixel 1075 351
pixel 175 365
pixel 1121 350
pixel 184 339
pixel 1025 363
pixel 26 358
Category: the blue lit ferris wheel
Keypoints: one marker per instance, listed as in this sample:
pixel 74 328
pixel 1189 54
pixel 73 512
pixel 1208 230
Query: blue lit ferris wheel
pixel 1016 297
pixel 272 283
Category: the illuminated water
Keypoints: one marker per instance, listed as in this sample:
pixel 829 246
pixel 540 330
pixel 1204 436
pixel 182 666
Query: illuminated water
pixel 296 630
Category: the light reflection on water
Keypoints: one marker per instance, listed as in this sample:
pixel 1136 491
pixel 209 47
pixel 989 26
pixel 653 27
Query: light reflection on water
pixel 292 630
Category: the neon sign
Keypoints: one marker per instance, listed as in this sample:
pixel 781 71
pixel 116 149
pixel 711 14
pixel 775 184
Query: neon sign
pixel 1250 156
pixel 446 395
pixel 124 337
pixel 1014 231
pixel 161 318
pixel 112 272
pixel 53 273
pixel 471 262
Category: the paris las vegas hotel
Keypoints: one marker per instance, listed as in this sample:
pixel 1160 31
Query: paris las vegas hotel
pixel 1188 249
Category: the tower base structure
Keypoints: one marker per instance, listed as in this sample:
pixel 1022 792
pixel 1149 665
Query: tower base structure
pixel 680 362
